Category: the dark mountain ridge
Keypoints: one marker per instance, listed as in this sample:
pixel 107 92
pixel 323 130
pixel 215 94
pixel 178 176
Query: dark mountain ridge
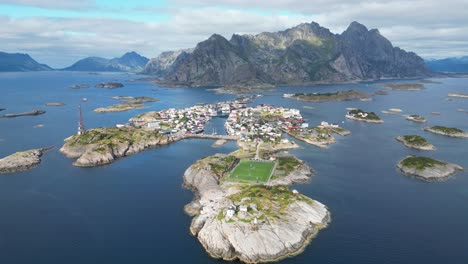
pixel 306 53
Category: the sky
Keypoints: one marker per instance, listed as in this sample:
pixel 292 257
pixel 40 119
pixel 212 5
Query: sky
pixel 60 32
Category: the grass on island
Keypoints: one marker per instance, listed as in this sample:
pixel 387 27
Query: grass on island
pixel 270 200
pixel 416 140
pixel 106 138
pixel 448 130
pixel 285 166
pixel 220 165
pixel 248 170
pixel 420 163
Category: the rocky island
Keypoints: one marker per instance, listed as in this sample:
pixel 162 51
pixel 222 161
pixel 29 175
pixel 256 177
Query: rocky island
pixel 266 123
pixel 21 161
pixel 54 104
pixel 447 131
pixel 405 86
pixel 101 146
pixel 135 100
pixel 416 118
pixel 79 86
pixel 31 113
pixel 251 215
pixel 427 168
pixel 460 95
pixel 119 108
pixel 256 130
pixel 360 115
pixel 416 142
pixel 327 97
pixel 111 85
pixel 128 103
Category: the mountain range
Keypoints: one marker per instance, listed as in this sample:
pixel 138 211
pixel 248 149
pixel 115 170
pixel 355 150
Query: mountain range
pixel 306 53
pixel 12 62
pixel 129 62
pixel 457 65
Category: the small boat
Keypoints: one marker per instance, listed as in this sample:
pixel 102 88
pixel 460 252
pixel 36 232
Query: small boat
pixel 84 99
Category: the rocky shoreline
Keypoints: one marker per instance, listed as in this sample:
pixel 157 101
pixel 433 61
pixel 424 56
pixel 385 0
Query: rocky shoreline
pixel 456 134
pixel 31 113
pixel 119 108
pixel 21 161
pixel 416 118
pixel 380 121
pixel 437 171
pixel 415 146
pixel 110 85
pixel 347 95
pixel 250 242
pixel 101 153
pixel 459 95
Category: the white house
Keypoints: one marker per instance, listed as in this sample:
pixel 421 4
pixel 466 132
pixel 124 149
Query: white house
pixel 243 208
pixel 230 213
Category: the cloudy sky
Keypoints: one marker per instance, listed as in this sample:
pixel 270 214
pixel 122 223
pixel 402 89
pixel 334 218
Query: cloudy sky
pixel 59 32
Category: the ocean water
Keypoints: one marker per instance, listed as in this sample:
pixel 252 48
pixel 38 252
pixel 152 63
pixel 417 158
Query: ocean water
pixel 131 211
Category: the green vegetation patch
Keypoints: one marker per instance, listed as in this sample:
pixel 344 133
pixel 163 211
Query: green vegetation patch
pixel 220 165
pixel 271 200
pixel 285 166
pixel 447 130
pixel 105 138
pixel 421 163
pixel 416 140
pixel 250 170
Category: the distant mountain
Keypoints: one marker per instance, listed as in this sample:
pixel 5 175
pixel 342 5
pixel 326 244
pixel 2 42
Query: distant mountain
pixel 11 62
pixel 459 65
pixel 129 62
pixel 302 54
pixel 165 62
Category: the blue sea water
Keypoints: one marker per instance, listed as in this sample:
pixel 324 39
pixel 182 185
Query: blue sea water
pixel 131 211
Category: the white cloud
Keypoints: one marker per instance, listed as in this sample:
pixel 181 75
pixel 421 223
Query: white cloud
pixel 53 4
pixel 430 28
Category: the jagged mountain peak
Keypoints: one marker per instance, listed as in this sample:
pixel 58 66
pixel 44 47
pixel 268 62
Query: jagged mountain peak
pixel 357 27
pixel 305 53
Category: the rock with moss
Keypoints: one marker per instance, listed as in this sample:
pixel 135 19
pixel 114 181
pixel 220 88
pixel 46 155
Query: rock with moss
pixel 427 168
pixel 119 107
pixel 460 95
pixel 103 145
pixel 21 161
pixel 360 115
pixel 252 223
pixel 416 118
pixel 416 142
pixel 447 131
pixel 327 97
pixel 135 100
pixel 405 86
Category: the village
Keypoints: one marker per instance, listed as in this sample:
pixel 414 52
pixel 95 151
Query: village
pixel 189 120
pixel 268 123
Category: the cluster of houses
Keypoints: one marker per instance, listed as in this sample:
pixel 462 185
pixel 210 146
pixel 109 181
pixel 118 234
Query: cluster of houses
pixel 359 114
pixel 187 120
pixel 264 123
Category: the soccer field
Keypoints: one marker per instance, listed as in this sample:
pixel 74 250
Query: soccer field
pixel 252 171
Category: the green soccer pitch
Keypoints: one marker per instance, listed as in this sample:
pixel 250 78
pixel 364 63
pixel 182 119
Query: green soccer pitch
pixel 248 170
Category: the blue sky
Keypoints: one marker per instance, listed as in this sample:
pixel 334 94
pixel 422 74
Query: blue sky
pixel 59 32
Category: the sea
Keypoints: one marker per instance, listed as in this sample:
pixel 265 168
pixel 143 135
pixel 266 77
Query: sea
pixel 131 211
